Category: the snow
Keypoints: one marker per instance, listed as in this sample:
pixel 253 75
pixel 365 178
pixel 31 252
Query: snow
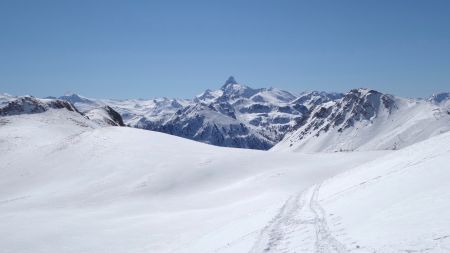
pixel 410 122
pixel 397 203
pixel 67 184
pixel 70 184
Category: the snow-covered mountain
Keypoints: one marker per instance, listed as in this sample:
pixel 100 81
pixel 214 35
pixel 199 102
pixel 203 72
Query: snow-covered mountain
pixel 16 105
pixel 233 116
pixel 12 105
pixel 366 119
pixel 438 98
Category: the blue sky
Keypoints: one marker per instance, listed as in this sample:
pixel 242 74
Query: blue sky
pixel 129 49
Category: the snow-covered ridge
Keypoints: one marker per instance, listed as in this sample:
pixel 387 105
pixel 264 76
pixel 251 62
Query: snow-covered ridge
pixel 365 119
pixel 442 97
pixel 14 105
pixel 11 105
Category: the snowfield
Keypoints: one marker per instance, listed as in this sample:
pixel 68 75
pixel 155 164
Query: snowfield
pixel 69 185
pixel 397 203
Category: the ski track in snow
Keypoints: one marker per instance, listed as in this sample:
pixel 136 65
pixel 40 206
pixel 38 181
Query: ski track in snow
pixel 299 226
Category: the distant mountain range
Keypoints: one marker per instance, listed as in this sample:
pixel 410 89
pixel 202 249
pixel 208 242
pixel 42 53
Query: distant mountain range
pixel 239 116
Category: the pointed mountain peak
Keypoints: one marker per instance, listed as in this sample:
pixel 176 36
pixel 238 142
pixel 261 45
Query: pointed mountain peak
pixel 231 85
pixel 230 80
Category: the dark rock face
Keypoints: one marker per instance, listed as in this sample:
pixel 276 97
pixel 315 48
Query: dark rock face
pixel 115 116
pixel 28 105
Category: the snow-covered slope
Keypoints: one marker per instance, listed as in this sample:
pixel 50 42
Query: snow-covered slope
pixel 367 120
pixel 397 203
pixel 67 185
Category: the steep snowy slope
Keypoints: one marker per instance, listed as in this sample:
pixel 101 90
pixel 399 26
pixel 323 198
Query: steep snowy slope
pixel 367 120
pixel 67 185
pixel 397 203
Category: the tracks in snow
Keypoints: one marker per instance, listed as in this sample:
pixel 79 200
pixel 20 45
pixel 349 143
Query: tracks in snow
pixel 299 226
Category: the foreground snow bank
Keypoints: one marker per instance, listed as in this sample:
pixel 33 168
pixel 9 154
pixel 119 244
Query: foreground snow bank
pixel 397 203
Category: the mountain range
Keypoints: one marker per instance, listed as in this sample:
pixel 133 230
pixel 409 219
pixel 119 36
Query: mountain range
pixel 236 115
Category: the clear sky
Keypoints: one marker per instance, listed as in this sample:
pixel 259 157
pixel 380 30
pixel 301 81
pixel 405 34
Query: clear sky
pixel 130 49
